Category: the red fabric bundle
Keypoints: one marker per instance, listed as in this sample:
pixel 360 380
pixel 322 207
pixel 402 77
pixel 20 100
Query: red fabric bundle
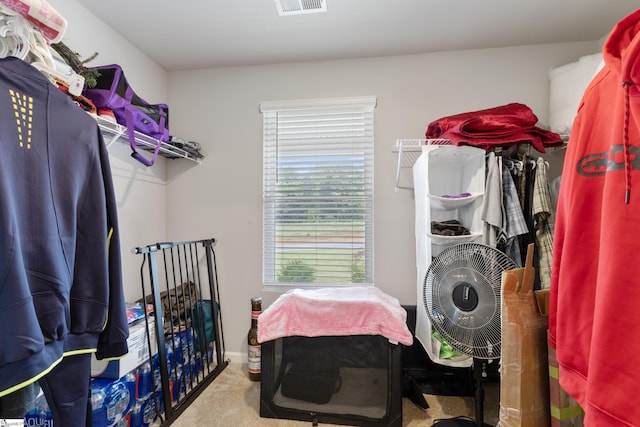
pixel 500 126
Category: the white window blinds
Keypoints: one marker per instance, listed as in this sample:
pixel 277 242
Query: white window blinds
pixel 318 192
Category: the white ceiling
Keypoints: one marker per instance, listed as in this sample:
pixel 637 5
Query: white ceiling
pixel 190 34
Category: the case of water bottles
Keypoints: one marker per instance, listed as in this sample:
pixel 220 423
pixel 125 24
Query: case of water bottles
pixel 136 398
pixel 129 401
pixel 138 345
pixel 40 415
pixel 185 363
pixel 111 400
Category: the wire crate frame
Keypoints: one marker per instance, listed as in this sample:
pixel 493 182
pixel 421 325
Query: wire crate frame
pixel 164 269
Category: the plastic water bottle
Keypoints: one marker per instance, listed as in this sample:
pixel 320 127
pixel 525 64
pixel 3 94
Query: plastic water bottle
pixel 178 384
pixel 135 419
pixel 157 381
pixel 116 401
pixel 145 380
pixel 168 348
pixel 131 383
pixel 40 415
pixel 98 409
pixel 149 414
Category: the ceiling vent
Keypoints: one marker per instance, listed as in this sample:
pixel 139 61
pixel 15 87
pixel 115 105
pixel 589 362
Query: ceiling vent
pixel 297 7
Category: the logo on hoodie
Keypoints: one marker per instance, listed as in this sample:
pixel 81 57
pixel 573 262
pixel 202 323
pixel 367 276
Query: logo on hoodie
pixel 600 163
pixel 23 112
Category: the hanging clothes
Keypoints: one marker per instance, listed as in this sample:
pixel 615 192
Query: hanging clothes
pixel 543 222
pixel 493 214
pixel 593 320
pixel 61 280
pixel 515 220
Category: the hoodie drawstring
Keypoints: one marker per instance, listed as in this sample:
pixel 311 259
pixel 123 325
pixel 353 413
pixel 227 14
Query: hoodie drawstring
pixel 625 136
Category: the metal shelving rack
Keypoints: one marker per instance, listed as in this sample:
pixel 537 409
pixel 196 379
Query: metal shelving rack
pixel 112 132
pixel 407 152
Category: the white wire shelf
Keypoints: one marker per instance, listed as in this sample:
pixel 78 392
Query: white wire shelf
pixel 407 152
pixel 112 132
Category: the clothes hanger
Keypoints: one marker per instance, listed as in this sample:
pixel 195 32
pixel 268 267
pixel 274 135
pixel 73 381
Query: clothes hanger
pixel 74 82
pixel 514 166
pixel 22 40
pixel 14 36
pixel 42 59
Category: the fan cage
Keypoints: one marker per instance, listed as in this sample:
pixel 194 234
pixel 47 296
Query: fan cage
pixel 475 270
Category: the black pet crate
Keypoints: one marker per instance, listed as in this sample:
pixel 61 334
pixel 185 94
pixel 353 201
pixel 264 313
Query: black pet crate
pixel 349 380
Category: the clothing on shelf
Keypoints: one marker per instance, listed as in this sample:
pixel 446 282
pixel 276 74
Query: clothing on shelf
pixel 451 227
pixel 510 197
pixel 503 126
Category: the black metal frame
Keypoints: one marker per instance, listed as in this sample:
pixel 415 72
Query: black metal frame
pixel 378 349
pixel 169 266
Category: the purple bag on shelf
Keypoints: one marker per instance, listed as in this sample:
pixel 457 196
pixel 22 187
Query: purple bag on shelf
pixel 113 91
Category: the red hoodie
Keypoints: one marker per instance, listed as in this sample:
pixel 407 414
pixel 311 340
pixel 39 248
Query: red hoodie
pixel 594 318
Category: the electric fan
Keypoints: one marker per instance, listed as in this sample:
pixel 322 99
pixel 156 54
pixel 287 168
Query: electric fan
pixel 462 299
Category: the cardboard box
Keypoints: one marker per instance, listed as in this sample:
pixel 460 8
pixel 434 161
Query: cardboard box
pixel 524 378
pixel 138 353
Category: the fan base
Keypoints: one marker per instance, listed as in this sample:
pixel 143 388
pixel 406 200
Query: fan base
pixel 458 422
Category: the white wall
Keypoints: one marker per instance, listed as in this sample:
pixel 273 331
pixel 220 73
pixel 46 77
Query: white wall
pixel 222 197
pixel 140 191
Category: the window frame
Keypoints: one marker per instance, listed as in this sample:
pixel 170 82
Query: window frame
pixel 275 113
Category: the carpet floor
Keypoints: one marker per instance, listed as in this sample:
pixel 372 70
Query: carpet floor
pixel 231 400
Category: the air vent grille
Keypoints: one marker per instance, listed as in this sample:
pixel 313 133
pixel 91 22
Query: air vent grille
pixel 297 7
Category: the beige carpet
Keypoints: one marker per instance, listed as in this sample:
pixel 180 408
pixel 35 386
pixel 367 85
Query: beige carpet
pixel 231 400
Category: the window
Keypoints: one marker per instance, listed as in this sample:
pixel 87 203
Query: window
pixel 318 192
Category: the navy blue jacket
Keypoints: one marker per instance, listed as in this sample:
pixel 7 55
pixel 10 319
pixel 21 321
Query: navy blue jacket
pixel 60 270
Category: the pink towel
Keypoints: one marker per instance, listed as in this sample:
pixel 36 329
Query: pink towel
pixel 334 312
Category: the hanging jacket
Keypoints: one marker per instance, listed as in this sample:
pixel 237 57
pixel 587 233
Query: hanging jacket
pixel 60 273
pixel 594 319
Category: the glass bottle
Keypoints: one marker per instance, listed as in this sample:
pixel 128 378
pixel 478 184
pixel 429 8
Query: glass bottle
pixel 252 340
